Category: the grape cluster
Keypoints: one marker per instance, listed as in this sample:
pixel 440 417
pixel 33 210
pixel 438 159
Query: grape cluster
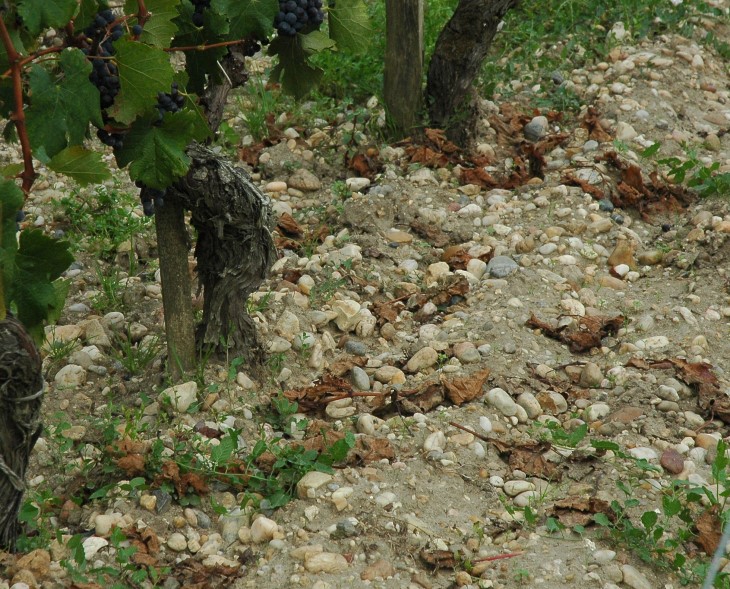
pixel 98 44
pixel 151 198
pixel 199 7
pixel 295 15
pixel 169 102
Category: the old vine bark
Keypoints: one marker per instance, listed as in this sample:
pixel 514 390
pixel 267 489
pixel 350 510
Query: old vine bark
pixel 235 249
pixel 21 395
pixel 460 50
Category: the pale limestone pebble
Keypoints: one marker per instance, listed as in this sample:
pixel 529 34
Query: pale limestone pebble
pixel 554 402
pixel 516 487
pixel 148 502
pixel 92 545
pixel 634 578
pixel 501 400
pixel 387 498
pixel 596 411
pixel 485 424
pixel 304 180
pixel 573 307
pixel 94 333
pixel 435 441
pixel 476 267
pixel 389 375
pixel 326 562
pixel 590 376
pixel 424 358
pixel 277 345
pixel 244 381
pixel 70 376
pixel 526 498
pixel 113 320
pixel 180 397
pixel 263 529
pixel 347 314
pixel 212 545
pixel 654 343
pixel 341 409
pixel 529 404
pixel 436 271
pixel 302 553
pixel 312 481
pixel 466 352
pixel 644 452
pixel 339 497
pixel 61 334
pixel 103 523
pixel 604 556
pixel 276 186
pixel 218 560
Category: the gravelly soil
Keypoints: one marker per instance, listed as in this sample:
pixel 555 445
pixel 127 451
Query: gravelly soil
pixel 437 487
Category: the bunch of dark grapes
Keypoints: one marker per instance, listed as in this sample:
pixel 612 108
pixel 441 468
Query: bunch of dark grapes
pixel 98 44
pixel 199 7
pixel 295 15
pixel 151 198
pixel 169 102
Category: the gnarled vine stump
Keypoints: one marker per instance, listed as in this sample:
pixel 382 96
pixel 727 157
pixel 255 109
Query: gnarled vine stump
pixel 21 395
pixel 234 251
pixel 457 58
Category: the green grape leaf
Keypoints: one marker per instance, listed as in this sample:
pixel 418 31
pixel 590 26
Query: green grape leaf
pixel 61 108
pixel 143 72
pixel 201 65
pixel 11 201
pixel 11 170
pixel 38 262
pixel 40 14
pixel 159 28
pixel 156 154
pixel 296 75
pixel 248 18
pixel 349 25
pixel 87 11
pixel 316 41
pixel 84 166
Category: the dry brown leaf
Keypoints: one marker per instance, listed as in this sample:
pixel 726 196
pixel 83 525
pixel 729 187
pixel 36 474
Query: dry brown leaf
pixel 431 233
pixel 574 511
pixel 439 559
pixel 587 335
pixel 456 257
pixel 369 449
pixel 461 390
pixel 571 180
pixel 365 165
pixel 317 396
pixel 388 311
pixel 530 459
pixel 478 176
pixel 288 226
pixel 592 124
pixel 132 465
pixel 709 530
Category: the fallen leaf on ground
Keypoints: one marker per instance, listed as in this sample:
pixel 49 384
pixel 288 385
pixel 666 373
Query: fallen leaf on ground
pixel 530 459
pixel 432 234
pixel 439 559
pixel 579 511
pixel 588 333
pixel 288 226
pixel 709 530
pixel 316 397
pixel 461 390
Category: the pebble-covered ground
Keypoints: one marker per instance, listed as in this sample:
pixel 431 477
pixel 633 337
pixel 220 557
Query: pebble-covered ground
pixel 549 308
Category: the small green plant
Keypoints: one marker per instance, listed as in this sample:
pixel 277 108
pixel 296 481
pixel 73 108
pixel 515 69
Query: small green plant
pixel 340 190
pixel 111 290
pixel 136 357
pixel 691 171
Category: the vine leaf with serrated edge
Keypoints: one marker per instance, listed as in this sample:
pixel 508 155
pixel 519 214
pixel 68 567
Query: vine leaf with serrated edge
pixel 252 18
pixel 296 74
pixel 83 165
pixel 61 107
pixel 40 14
pixel 349 25
pixel 143 72
pixel 201 65
pixel 159 28
pixel 156 154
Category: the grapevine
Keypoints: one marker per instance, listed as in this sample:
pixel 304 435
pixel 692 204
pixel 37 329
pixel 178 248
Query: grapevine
pixel 297 15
